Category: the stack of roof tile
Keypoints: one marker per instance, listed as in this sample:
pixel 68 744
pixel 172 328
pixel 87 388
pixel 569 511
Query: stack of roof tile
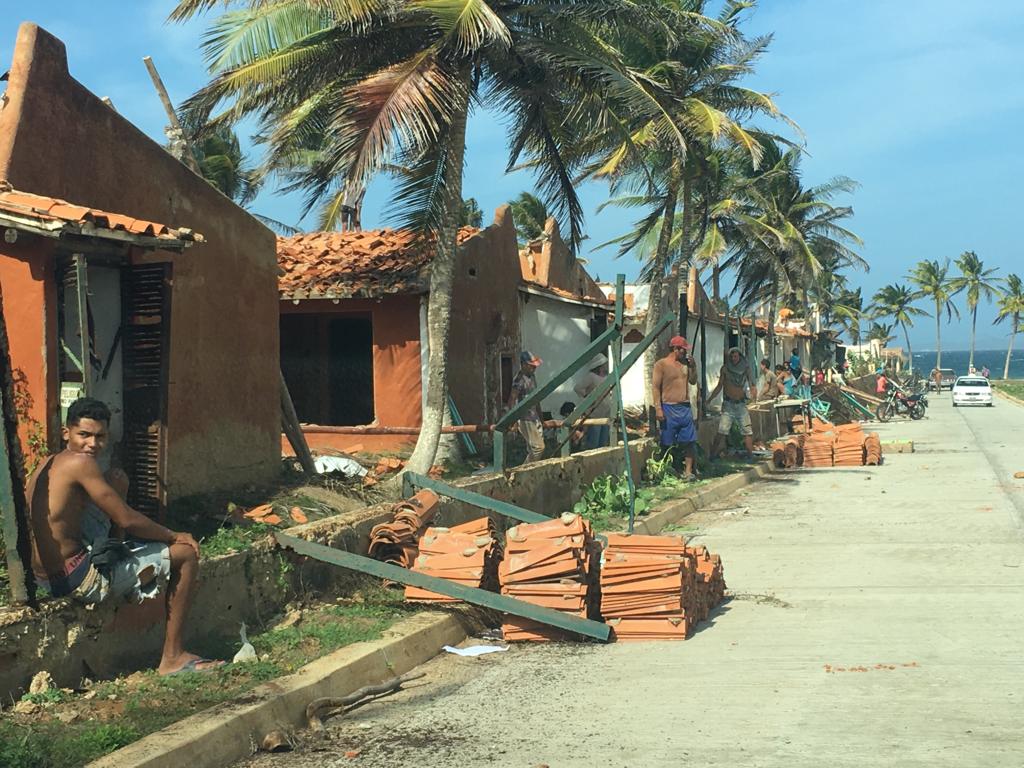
pixel 548 564
pixel 818 449
pixel 872 449
pixel 395 542
pixel 848 450
pixel 467 554
pixel 708 582
pixel 788 453
pixel 645 582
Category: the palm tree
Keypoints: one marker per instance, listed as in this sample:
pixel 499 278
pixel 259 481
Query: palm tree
pixel 530 216
pixel 696 72
pixel 977 282
pixel 897 301
pixel 933 282
pixel 343 90
pixel 470 214
pixel 782 234
pixel 222 163
pixel 849 310
pixel 1011 307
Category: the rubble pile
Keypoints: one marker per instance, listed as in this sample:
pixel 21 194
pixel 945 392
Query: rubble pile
pixel 466 554
pixel 549 564
pixel 657 588
pixel 396 542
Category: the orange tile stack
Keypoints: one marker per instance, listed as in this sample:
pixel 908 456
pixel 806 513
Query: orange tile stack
pixel 818 449
pixel 548 564
pixel 872 449
pixel 395 542
pixel 467 554
pixel 645 583
pixel 709 582
pixel 848 450
pixel 656 587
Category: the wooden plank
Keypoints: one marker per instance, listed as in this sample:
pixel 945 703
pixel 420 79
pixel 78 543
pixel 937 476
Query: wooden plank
pixel 290 421
pixel 491 600
pixel 82 292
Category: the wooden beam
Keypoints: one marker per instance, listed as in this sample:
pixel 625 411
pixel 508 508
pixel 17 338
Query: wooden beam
pixel 290 423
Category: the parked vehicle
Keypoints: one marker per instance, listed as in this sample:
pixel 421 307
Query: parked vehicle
pixel 899 402
pixel 948 380
pixel 972 390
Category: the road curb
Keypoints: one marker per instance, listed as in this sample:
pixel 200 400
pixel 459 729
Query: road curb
pixel 1011 398
pixel 699 498
pixel 225 733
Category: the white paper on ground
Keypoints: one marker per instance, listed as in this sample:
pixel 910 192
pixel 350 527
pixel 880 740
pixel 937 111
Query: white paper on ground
pixel 343 464
pixel 475 650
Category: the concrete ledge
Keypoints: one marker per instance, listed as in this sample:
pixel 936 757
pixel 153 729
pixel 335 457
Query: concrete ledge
pixel 224 734
pixel 699 498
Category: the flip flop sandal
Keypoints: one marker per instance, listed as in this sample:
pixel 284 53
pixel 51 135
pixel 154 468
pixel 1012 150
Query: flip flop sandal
pixel 193 666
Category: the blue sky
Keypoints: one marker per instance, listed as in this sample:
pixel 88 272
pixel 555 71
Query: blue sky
pixel 920 101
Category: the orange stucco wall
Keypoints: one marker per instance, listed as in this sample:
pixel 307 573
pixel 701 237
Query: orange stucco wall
pixel 396 368
pixel 485 319
pixel 26 273
pixel 223 412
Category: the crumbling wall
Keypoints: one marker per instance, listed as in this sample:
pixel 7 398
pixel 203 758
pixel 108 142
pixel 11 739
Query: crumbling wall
pixel 70 641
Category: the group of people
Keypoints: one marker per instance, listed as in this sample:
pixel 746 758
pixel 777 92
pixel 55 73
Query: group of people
pixel 672 378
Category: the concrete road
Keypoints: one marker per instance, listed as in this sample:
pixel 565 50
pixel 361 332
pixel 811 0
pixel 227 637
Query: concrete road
pixel 876 619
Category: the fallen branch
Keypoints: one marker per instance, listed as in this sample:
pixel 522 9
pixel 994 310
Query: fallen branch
pixel 329 705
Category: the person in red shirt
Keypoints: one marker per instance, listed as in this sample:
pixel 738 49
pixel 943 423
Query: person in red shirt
pixel 881 383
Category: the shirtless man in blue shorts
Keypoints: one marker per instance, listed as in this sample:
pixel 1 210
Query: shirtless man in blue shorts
pixel 670 391
pixel 72 506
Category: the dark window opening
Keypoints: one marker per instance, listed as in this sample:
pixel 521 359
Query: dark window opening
pixel 327 361
pixel 472 271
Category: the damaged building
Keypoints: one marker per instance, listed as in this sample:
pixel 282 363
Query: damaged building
pixel 109 291
pixel 354 326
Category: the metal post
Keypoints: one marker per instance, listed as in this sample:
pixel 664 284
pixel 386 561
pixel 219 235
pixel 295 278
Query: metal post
pixel 82 295
pixel 703 362
pixel 617 409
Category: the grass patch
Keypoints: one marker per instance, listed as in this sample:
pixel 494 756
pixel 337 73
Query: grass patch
pixel 1012 388
pixel 121 711
pixel 233 539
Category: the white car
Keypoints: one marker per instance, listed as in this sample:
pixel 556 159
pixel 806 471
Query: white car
pixel 972 390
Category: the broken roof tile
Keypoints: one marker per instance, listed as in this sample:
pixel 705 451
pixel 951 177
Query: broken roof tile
pixel 58 215
pixel 365 263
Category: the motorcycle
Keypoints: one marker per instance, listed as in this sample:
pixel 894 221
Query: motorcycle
pixel 898 402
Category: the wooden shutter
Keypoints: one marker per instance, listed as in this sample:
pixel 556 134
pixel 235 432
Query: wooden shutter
pixel 146 304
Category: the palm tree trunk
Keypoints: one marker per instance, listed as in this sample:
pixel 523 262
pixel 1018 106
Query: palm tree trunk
pixel 679 279
pixel 771 325
pixel 938 334
pixel 1009 349
pixel 716 282
pixel 910 352
pixel 439 309
pixel 974 326
pixel 657 285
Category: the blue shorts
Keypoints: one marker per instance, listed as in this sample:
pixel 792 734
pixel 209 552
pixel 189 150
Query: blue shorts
pixel 678 426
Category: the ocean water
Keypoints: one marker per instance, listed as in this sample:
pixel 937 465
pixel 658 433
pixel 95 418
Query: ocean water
pixel 957 359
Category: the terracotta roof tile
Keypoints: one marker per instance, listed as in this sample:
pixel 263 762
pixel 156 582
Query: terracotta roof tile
pixel 358 263
pixel 52 212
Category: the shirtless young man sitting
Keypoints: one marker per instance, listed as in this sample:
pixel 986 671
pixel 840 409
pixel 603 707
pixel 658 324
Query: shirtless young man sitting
pixel 72 505
pixel 670 391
